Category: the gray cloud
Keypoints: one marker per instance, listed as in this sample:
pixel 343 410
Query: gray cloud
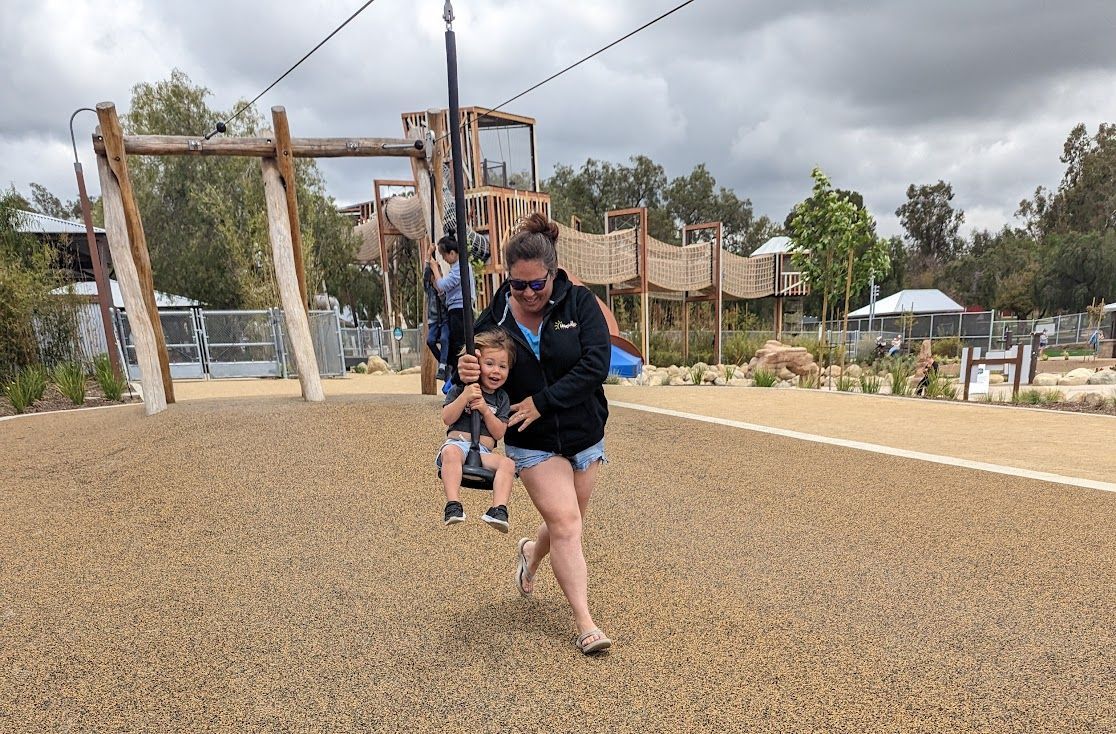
pixel 880 94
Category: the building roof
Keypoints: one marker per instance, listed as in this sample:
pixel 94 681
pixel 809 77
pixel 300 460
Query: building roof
pixel 926 300
pixel 774 246
pixel 42 224
pixel 89 288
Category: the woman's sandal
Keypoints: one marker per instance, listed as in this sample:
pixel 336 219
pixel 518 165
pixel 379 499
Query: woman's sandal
pixel 600 644
pixel 521 574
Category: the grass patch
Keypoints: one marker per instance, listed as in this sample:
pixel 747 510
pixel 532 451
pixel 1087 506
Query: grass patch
pixel 112 386
pixel 900 373
pixel 938 387
pixel 1037 397
pixel 697 373
pixel 870 383
pixel 24 389
pixel 70 378
pixel 765 378
pixel 846 383
pixel 35 380
pixel 809 381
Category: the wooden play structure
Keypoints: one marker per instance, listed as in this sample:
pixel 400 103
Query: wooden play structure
pixel 628 261
pixel 276 151
pixel 502 187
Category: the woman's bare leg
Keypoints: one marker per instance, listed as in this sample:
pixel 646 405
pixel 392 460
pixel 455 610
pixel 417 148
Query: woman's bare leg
pixel 553 489
pixel 584 484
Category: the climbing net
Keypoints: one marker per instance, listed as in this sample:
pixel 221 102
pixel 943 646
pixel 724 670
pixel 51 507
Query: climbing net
pixel 599 258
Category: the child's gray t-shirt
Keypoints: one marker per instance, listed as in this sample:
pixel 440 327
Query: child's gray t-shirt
pixel 498 401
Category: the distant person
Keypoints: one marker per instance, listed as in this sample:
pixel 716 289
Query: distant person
pixel 437 317
pixel 1095 340
pixel 925 381
pixel 896 345
pixel 1043 341
pixel 449 284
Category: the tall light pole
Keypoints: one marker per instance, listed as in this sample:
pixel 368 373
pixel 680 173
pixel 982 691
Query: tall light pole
pixel 104 293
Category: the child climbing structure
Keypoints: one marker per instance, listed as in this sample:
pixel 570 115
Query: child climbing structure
pixel 628 261
pixel 502 187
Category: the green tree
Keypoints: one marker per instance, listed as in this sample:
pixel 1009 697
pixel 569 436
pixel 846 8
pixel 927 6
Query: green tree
pixel 205 218
pixel 931 222
pixel 45 202
pixel 1085 200
pixel 1079 268
pixel 598 187
pixel 834 244
pixel 696 198
pixel 28 273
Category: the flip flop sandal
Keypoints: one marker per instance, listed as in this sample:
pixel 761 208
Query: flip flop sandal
pixel 601 644
pixel 521 574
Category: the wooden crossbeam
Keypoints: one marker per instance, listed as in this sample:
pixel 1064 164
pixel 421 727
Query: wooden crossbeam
pixel 265 147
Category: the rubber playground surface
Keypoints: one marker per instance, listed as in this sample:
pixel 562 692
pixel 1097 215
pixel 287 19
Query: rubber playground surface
pixel 262 564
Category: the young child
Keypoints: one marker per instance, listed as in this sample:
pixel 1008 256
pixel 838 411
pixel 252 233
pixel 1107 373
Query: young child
pixel 497 354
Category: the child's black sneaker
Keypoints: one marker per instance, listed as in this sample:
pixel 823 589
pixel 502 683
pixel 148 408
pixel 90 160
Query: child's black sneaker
pixel 455 513
pixel 497 517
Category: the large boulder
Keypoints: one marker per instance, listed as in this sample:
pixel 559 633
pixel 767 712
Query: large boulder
pixel 1079 376
pixel 1045 379
pixel 1102 377
pixel 377 366
pixel 774 355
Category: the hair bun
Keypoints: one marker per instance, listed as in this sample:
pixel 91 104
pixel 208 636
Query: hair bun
pixel 537 223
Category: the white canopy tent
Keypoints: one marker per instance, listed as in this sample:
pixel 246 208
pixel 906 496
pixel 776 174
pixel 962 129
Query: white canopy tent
pixel 89 288
pixel 917 301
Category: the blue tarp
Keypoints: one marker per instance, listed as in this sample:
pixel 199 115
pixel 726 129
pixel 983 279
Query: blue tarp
pixel 624 364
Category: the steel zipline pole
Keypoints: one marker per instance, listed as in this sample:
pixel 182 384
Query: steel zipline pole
pixel 474 474
pixel 104 292
pixel 454 130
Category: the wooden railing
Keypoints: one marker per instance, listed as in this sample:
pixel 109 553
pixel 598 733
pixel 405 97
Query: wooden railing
pixel 791 284
pixel 496 211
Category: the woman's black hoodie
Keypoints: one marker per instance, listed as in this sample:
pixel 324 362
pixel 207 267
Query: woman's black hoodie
pixel 567 381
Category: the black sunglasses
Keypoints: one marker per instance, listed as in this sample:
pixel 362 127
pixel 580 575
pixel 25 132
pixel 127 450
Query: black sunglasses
pixel 535 285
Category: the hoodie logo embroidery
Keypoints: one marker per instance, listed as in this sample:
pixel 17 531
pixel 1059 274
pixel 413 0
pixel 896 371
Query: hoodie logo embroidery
pixel 563 325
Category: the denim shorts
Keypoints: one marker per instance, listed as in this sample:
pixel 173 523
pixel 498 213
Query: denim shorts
pixel 582 460
pixel 461 444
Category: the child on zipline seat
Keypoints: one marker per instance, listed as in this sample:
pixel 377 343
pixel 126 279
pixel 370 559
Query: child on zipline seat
pixel 496 357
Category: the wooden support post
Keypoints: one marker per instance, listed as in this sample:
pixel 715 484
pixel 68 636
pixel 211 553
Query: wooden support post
pixel 112 135
pixel 645 296
pixel 294 310
pixel 428 180
pixel 718 281
pixel 685 326
pixel 116 225
pixel 284 156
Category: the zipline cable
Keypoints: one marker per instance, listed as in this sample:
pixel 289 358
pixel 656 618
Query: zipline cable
pixel 599 51
pixel 221 126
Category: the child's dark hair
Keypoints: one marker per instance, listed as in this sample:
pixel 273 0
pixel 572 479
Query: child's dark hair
pixel 534 240
pixel 496 339
pixel 447 244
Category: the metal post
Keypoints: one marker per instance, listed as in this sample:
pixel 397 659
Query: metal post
pixel 454 130
pixel 871 302
pixel 340 341
pixel 104 292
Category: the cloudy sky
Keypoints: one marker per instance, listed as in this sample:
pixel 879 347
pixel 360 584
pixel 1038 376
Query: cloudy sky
pixel 880 93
